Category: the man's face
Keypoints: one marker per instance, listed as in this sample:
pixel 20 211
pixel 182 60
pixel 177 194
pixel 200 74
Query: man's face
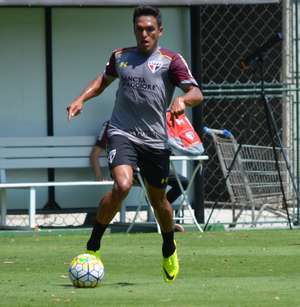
pixel 147 32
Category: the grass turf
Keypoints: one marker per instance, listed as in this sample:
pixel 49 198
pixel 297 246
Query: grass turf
pixel 254 268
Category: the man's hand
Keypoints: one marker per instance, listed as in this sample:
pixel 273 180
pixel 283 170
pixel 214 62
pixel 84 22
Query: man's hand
pixel 100 178
pixel 192 97
pixel 177 108
pixel 93 89
pixel 74 109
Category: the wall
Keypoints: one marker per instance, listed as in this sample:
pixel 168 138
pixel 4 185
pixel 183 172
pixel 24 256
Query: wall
pixel 82 42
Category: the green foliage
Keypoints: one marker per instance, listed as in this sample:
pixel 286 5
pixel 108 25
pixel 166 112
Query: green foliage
pixel 254 268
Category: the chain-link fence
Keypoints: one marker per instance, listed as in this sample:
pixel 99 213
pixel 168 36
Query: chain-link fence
pixel 229 34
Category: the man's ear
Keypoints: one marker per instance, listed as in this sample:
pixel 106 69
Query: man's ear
pixel 160 31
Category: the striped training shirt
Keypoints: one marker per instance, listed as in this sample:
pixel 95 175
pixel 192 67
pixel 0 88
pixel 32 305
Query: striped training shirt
pixel 146 86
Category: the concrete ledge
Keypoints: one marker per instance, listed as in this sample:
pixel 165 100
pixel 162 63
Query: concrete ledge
pixel 10 231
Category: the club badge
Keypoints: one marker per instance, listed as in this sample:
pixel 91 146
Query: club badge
pixel 190 135
pixel 111 155
pixel 154 66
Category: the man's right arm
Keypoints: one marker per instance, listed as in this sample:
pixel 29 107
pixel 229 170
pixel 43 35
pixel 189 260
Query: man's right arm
pixel 95 163
pixel 93 89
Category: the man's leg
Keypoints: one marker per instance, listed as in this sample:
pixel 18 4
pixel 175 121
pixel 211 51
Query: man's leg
pixel 175 191
pixel 162 208
pixel 163 213
pixel 110 204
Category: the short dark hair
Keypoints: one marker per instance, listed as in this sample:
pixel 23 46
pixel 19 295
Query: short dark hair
pixel 148 10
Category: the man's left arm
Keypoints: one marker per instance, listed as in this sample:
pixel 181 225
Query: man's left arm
pixel 192 97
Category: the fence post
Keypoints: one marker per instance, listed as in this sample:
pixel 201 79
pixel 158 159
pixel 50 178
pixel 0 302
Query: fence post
pixel 195 25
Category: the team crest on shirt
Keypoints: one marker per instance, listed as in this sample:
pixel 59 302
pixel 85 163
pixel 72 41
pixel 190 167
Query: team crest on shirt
pixel 154 66
pixel 111 155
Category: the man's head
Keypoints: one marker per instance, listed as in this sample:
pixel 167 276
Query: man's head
pixel 148 10
pixel 147 21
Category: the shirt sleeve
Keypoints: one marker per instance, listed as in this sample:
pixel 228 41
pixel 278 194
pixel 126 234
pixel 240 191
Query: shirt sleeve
pixel 180 74
pixel 103 136
pixel 110 72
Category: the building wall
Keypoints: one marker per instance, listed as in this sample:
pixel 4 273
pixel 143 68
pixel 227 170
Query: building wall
pixel 82 42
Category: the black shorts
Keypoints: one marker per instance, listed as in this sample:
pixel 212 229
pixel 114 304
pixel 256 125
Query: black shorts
pixel 153 163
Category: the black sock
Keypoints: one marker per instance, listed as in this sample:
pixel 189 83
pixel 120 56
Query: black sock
pixel 168 247
pixel 94 242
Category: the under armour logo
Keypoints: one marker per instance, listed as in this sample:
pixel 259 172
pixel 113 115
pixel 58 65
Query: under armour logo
pixel 123 64
pixel 180 121
pixel 164 180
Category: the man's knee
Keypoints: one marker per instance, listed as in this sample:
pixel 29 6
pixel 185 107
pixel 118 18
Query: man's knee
pixel 123 179
pixel 158 202
pixel 122 186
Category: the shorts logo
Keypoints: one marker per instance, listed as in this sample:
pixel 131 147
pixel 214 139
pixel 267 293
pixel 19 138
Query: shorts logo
pixel 111 156
pixel 154 66
pixel 164 180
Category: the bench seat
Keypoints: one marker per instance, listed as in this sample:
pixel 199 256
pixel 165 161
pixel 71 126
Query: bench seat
pixel 49 152
pixel 52 152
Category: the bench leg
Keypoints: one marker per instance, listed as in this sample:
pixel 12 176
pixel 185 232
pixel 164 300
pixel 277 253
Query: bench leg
pixel 123 213
pixel 136 213
pixel 3 207
pixel 32 208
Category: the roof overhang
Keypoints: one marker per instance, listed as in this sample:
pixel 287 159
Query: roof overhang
pixel 123 3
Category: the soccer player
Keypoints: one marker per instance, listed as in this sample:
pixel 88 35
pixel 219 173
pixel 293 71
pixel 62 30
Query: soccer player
pixel 147 76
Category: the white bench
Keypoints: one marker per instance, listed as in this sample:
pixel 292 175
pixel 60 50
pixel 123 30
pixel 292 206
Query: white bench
pixel 43 152
pixel 55 152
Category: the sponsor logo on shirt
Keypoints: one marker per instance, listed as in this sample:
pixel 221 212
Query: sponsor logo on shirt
pixel 137 83
pixel 154 66
pixel 142 134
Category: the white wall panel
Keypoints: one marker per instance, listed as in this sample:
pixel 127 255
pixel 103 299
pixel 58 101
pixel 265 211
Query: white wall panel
pixel 22 74
pixel 82 42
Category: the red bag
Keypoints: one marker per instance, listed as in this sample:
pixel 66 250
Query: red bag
pixel 183 138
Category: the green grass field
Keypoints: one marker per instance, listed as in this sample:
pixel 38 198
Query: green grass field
pixel 254 268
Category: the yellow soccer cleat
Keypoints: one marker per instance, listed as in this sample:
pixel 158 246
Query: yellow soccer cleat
pixel 171 267
pixel 95 253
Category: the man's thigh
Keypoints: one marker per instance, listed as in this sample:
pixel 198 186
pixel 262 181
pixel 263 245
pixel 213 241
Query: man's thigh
pixel 121 151
pixel 154 165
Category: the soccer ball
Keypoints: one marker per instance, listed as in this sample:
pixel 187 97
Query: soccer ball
pixel 86 271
